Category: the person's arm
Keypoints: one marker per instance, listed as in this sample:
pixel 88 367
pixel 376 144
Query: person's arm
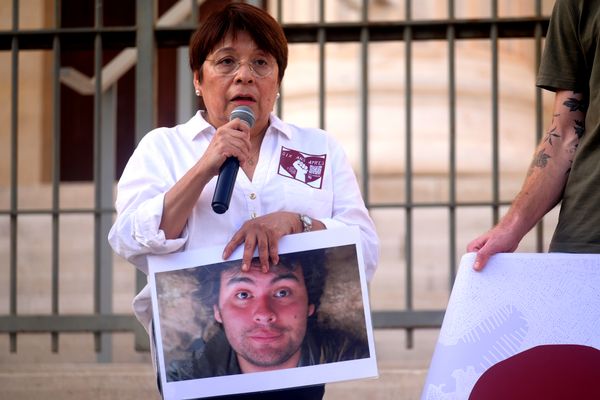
pixel 230 140
pixel 180 200
pixel 545 182
pixel 153 204
pixel 139 204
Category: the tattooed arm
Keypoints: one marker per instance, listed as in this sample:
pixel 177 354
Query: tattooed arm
pixel 545 182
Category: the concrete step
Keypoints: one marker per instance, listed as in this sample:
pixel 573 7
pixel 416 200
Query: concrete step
pixel 136 381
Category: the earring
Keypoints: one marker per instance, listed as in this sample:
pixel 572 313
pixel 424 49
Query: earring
pixel 197 92
pixel 277 96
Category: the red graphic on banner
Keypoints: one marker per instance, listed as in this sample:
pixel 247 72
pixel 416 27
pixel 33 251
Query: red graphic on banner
pixel 549 372
pixel 306 168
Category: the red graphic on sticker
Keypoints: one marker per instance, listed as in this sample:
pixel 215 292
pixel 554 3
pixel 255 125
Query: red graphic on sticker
pixel 306 168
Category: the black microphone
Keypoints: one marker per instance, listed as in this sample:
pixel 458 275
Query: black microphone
pixel 229 169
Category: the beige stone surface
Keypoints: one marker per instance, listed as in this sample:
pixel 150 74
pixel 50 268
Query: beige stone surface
pixel 402 373
pixel 136 381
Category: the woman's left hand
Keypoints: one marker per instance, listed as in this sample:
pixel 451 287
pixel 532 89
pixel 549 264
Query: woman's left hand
pixel 263 233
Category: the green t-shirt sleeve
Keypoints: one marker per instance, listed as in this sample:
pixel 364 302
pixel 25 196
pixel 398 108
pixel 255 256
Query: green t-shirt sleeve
pixel 563 64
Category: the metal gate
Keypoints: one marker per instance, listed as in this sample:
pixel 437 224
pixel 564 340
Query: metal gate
pixel 139 44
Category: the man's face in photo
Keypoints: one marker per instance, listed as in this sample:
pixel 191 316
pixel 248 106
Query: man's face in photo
pixel 264 316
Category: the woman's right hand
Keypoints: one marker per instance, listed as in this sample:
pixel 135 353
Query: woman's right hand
pixel 230 140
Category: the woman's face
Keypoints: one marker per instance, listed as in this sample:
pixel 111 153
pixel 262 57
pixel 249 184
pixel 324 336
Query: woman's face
pixel 224 92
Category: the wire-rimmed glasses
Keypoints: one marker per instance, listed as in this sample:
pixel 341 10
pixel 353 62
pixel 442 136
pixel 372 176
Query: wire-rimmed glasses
pixel 261 67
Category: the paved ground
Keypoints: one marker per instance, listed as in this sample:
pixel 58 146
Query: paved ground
pixel 135 381
pixel 402 374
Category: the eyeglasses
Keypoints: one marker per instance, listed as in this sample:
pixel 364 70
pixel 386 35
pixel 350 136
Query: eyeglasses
pixel 260 67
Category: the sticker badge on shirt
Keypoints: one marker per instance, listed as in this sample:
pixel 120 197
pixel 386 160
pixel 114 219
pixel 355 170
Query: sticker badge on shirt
pixel 306 168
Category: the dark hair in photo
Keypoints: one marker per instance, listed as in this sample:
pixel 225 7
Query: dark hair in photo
pixel 234 18
pixel 314 271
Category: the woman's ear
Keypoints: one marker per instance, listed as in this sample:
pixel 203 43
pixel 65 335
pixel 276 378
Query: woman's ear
pixel 197 87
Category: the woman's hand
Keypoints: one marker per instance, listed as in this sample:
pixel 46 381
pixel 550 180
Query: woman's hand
pixel 230 140
pixel 263 233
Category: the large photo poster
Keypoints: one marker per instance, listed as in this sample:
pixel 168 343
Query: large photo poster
pixel 306 321
pixel 526 327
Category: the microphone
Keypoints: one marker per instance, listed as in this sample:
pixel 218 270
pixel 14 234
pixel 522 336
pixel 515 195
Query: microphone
pixel 229 169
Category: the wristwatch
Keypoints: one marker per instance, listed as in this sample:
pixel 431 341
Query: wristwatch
pixel 306 222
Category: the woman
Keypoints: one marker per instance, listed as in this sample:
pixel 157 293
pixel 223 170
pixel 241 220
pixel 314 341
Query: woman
pixel 291 179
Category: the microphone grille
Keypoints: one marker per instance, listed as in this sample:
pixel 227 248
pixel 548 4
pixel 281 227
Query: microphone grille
pixel 244 113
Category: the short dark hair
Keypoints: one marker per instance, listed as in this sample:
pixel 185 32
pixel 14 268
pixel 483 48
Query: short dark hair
pixel 313 266
pixel 239 17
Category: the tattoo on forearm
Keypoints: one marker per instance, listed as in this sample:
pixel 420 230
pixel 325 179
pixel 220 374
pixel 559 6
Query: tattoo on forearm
pixel 579 128
pixel 574 104
pixel 570 165
pixel 573 149
pixel 541 159
pixel 552 134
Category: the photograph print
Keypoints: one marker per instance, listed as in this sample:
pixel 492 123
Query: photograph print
pixel 221 330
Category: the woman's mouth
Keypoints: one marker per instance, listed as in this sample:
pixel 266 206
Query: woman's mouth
pixel 243 99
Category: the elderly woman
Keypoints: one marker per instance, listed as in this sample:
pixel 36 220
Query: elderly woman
pixel 291 179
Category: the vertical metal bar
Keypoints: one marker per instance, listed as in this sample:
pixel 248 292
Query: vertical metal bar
pixel 102 271
pixel 539 126
pixel 56 171
pixel 144 77
pixel 321 38
pixel 495 141
pixel 144 103
pixel 104 182
pixel 364 96
pixel 279 11
pixel 451 37
pixel 280 97
pixel 408 170
pixel 14 168
pixel 186 99
pixel 97 125
pixel 194 12
pixel 194 100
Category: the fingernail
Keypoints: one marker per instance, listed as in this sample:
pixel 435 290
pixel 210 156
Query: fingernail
pixel 244 267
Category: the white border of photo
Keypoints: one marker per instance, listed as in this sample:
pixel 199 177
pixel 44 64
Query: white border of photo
pixel 271 380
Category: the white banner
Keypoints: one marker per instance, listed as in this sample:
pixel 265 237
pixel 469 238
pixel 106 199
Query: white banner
pixel 513 329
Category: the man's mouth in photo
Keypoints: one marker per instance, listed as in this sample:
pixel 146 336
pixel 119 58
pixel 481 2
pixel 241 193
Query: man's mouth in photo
pixel 265 335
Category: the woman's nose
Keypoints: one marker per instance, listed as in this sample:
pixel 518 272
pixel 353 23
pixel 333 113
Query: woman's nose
pixel 244 73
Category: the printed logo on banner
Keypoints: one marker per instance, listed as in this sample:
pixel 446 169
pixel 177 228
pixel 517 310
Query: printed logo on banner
pixel 306 168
